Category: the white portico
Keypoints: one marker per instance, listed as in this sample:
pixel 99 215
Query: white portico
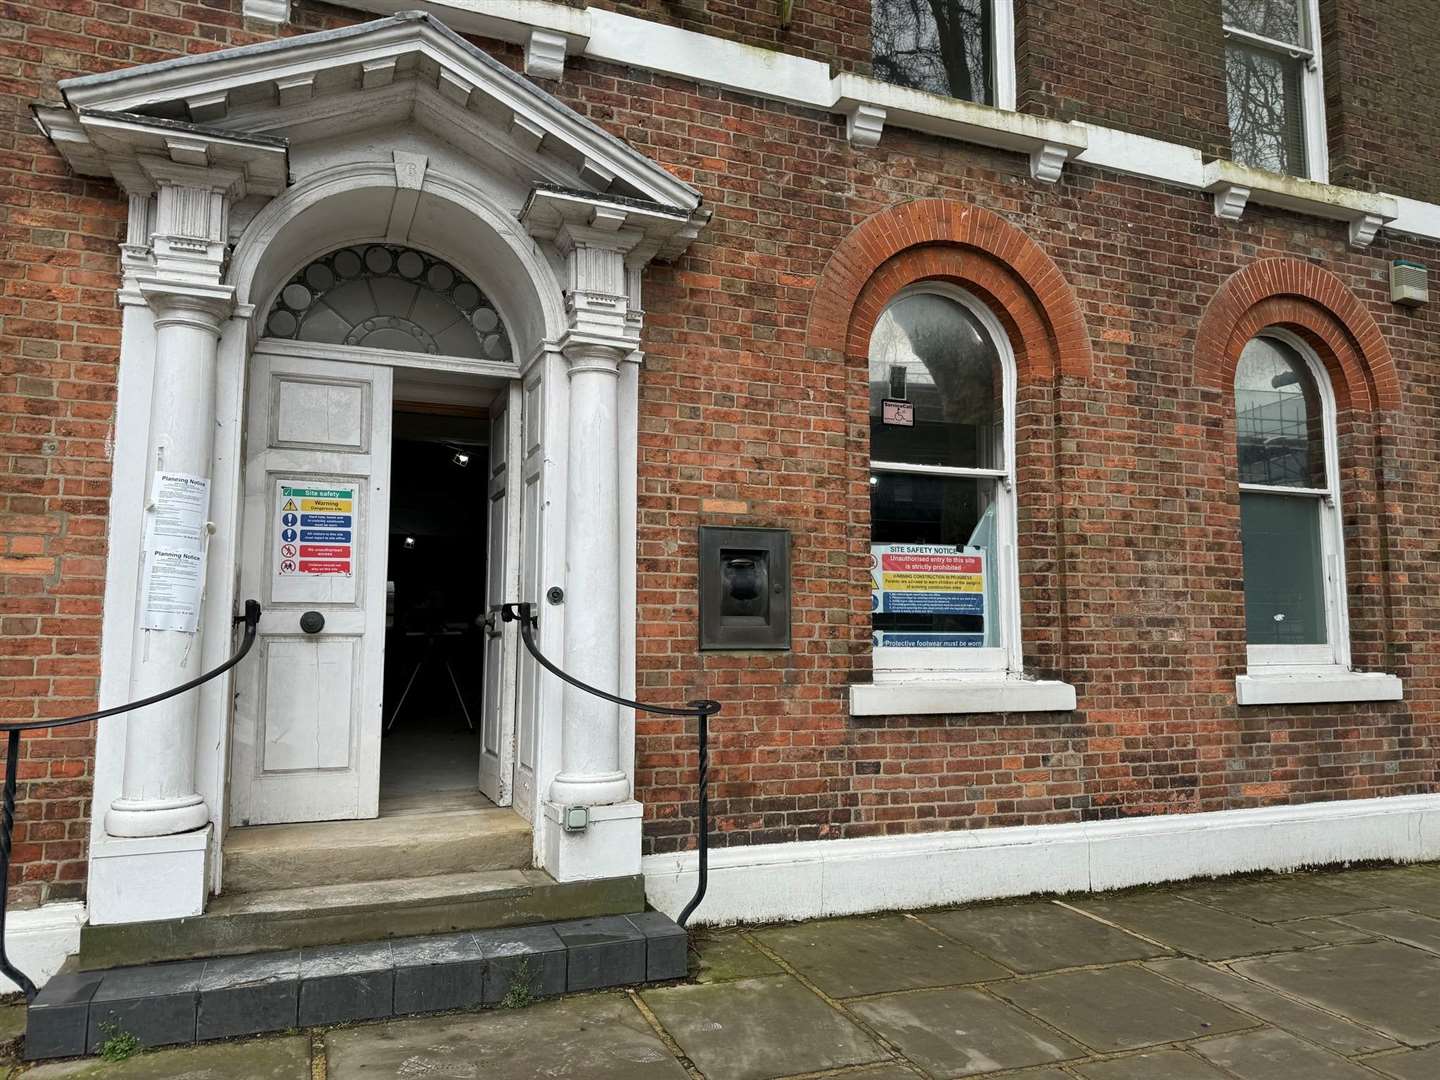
pixel 242 168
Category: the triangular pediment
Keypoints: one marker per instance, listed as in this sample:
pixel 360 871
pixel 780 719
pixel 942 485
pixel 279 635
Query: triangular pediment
pixel 249 104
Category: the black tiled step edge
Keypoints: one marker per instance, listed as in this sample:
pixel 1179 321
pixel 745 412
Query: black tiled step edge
pixel 193 1000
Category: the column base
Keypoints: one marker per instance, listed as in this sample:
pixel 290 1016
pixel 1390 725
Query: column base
pixel 156 817
pixel 590 789
pixel 609 847
pixel 147 878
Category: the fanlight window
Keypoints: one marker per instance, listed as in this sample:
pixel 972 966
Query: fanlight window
pixel 381 296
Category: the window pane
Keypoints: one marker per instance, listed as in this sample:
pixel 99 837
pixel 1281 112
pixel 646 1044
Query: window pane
pixel 942 46
pixel 1279 423
pixel 933 561
pixel 1282 20
pixel 936 366
pixel 1266 131
pixel 1284 578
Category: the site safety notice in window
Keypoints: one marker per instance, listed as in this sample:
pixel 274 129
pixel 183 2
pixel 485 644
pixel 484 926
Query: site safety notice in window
pixel 915 586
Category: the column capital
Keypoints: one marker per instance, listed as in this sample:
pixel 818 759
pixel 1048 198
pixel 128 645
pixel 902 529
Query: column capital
pixel 180 303
pixel 586 354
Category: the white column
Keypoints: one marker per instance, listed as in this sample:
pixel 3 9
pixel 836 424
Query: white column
pixel 590 772
pixel 158 793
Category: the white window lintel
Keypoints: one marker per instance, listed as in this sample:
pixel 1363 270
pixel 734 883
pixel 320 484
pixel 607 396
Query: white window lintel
pixel 959 695
pixel 1323 686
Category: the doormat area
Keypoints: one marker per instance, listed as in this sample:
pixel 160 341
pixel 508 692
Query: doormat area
pixel 194 1000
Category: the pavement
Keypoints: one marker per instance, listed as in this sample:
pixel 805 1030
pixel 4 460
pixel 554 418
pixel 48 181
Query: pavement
pixel 1313 976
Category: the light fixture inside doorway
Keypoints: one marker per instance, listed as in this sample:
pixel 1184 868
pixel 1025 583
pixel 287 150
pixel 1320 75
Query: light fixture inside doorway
pixel 409 543
pixel 461 458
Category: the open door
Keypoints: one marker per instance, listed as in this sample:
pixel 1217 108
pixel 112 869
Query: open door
pixel 317 477
pixel 497 727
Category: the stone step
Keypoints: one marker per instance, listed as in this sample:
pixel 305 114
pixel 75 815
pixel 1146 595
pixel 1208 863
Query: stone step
pixel 279 919
pixel 405 843
pixel 225 997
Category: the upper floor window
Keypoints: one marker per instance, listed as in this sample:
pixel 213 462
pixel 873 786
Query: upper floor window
pixel 960 48
pixel 942 512
pixel 1289 506
pixel 381 296
pixel 1274 88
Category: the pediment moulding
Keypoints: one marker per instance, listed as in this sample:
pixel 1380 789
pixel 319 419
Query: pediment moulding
pixel 315 85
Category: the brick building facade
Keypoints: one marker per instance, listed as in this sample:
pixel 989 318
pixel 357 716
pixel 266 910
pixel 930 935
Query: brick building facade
pixel 1125 299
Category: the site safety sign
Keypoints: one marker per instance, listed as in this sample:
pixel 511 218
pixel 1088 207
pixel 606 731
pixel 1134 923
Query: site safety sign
pixel 927 579
pixel 315 530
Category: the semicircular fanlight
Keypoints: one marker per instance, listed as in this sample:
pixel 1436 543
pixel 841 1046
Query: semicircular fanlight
pixel 382 296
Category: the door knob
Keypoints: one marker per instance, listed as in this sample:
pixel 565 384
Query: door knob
pixel 312 622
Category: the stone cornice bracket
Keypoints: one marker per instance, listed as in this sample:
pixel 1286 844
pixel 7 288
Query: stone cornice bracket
pixel 1230 200
pixel 545 54
pixel 274 12
pixel 1047 161
pixel 864 125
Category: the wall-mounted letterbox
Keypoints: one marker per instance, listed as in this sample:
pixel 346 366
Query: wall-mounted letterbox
pixel 744 588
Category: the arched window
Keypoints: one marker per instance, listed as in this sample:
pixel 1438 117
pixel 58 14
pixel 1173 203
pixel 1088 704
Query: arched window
pixel 1289 506
pixel 381 296
pixel 942 508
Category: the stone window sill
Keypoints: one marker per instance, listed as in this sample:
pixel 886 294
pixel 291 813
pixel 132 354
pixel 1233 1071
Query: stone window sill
pixel 961 695
pixel 1234 186
pixel 869 104
pixel 1323 687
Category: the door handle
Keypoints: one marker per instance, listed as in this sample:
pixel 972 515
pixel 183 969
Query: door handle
pixel 312 622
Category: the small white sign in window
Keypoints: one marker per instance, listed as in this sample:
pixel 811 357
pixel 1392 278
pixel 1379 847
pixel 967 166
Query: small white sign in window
pixel 897 413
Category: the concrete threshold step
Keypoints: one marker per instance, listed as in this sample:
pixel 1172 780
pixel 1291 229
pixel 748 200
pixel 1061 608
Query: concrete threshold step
pixel 224 997
pixel 408 843
pixel 280 919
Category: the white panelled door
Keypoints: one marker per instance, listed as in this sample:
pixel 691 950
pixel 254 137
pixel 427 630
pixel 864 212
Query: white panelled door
pixel 306 735
pixel 497 726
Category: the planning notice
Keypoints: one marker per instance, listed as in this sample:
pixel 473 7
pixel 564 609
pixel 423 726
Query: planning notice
pixel 175 541
pixel 314 530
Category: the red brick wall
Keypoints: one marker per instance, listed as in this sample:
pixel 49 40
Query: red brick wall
pixel 59 336
pixel 1130 555
pixel 1152 67
pixel 1130 567
pixel 1380 85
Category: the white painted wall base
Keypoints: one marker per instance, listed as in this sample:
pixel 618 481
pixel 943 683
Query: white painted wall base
pixel 38 940
pixel 843 877
pixel 610 847
pixel 146 878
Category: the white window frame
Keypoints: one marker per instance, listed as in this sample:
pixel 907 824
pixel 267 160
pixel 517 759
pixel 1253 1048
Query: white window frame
pixel 899 664
pixel 1312 86
pixel 1334 655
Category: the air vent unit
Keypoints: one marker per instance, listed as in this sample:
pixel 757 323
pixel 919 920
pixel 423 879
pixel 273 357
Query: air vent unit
pixel 1409 283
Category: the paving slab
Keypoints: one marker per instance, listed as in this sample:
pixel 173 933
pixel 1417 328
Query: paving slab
pixel 1031 938
pixel 1326 931
pixel 849 957
pixel 900 1072
pixel 1293 1016
pixel 1277 1055
pixel 1411 1065
pixel 723 957
pixel 1120 1008
pixel 1276 899
pixel 252 1059
pixel 1419 930
pixel 754 1029
pixel 959 1032
pixel 1392 988
pixel 1152 1065
pixel 1417 888
pixel 597 1037
pixel 1193 928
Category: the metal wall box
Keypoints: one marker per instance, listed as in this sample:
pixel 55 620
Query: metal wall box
pixel 1409 283
pixel 744 588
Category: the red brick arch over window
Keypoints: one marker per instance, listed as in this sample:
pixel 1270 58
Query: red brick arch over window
pixel 939 240
pixel 1313 303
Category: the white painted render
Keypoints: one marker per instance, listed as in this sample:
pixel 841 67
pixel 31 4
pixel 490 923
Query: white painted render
pixel 38 940
pixel 821 878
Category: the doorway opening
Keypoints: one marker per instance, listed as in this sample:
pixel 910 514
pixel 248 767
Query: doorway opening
pixel 435 608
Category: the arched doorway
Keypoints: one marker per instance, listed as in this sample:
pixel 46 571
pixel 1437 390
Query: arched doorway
pixel 379 533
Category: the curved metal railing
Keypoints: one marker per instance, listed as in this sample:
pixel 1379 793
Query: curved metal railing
pixel 702 710
pixel 251 619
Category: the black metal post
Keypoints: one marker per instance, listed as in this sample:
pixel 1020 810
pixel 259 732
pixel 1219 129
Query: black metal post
pixel 251 619
pixel 702 710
